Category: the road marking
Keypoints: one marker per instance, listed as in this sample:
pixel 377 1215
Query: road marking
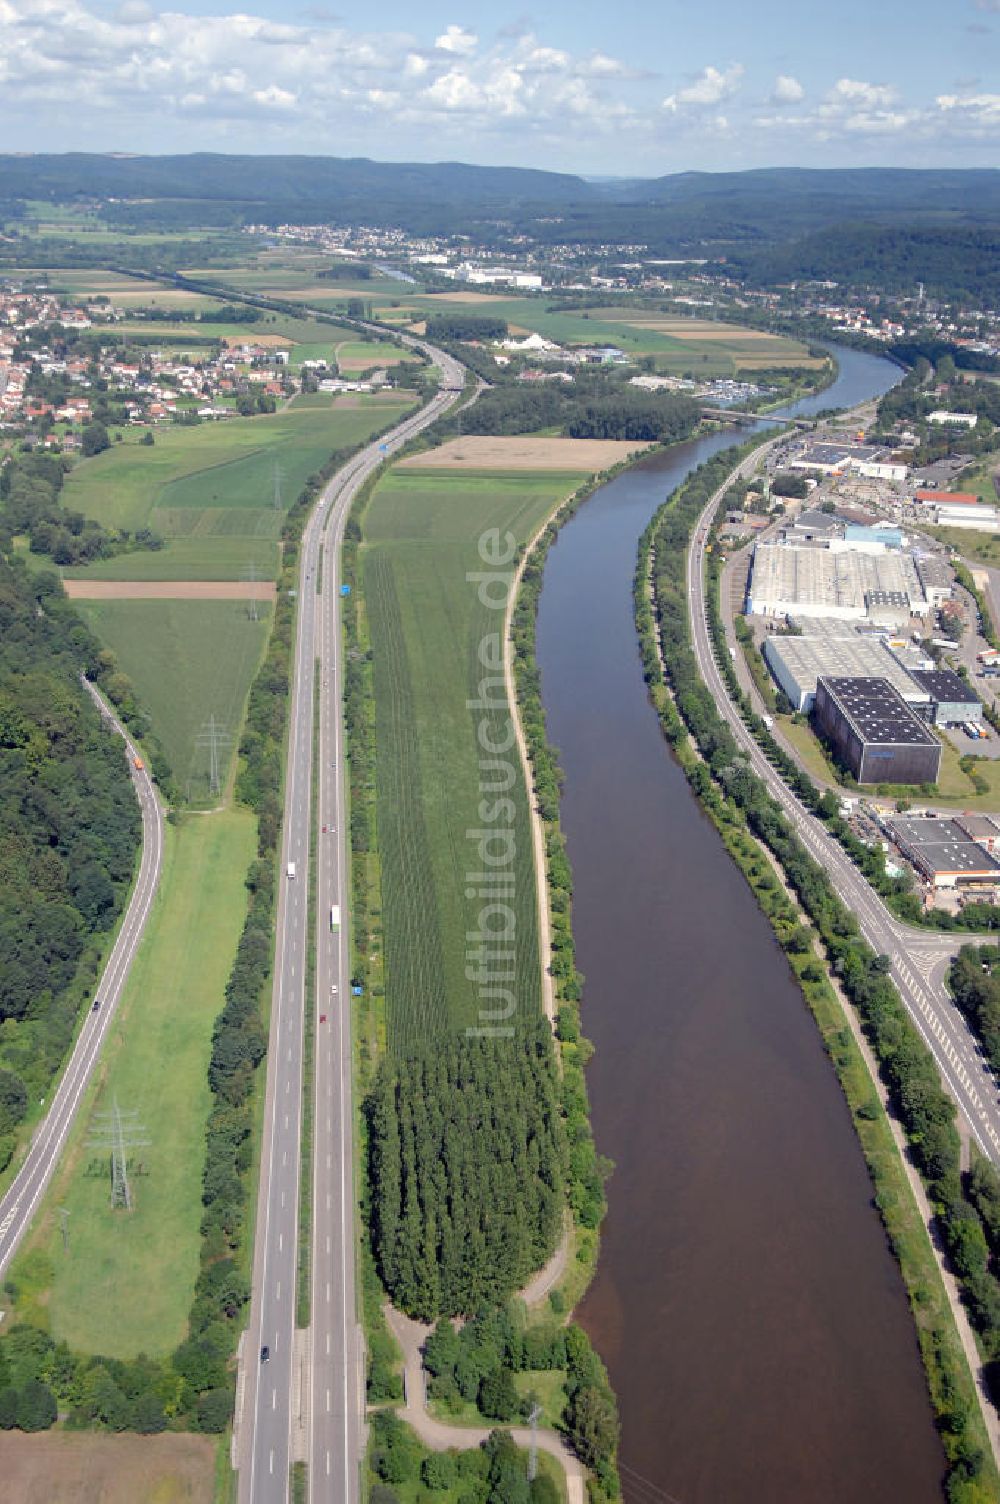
pixel 328 1399
pixel 274 1399
pixel 328 1344
pixel 328 1292
pixel 281 1241
pixel 271 1460
pixel 277 1293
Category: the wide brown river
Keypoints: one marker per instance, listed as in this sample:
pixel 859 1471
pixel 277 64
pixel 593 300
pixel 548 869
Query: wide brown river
pixel 752 1318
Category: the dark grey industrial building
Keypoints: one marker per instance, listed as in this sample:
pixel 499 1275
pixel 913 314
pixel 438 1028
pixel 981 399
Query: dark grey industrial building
pixel 953 699
pixel 873 731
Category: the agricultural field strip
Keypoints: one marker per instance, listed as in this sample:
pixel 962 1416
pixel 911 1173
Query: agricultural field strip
pixel 436 775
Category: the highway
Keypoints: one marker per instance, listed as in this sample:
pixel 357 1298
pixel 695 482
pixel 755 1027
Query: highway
pixel 919 958
pixel 25 1192
pixel 305 1402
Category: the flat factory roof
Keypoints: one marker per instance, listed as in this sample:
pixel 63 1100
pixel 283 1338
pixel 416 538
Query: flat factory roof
pixel 943 846
pixel 945 687
pixel 821 577
pixel 877 712
pixel 805 658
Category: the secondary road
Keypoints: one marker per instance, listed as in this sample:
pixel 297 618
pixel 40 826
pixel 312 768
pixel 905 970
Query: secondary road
pixel 919 958
pixel 25 1192
pixel 311 1385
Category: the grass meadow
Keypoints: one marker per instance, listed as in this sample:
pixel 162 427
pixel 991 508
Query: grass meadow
pixel 188 660
pixel 212 488
pixel 421 534
pixel 126 1280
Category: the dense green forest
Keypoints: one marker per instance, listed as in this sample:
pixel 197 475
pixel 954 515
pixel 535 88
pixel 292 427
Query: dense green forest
pixel 477 1363
pixel 596 406
pixel 30 485
pixel 954 262
pixel 69 832
pixel 468 1169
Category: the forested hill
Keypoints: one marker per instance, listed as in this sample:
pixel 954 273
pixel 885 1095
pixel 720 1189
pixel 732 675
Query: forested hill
pixel 209 187
pixel 69 833
pixel 960 262
pixel 684 213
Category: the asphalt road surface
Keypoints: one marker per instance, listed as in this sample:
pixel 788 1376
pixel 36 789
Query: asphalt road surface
pixel 21 1201
pixel 313 1383
pixel 919 958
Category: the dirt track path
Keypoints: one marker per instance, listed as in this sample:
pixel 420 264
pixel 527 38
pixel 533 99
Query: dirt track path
pixel 439 1436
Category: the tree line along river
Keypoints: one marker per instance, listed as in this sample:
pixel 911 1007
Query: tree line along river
pixel 750 1313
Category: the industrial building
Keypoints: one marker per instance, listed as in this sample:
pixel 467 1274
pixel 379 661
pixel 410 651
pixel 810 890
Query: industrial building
pixel 798 662
pixel 935 578
pixel 802 581
pixel 952 699
pixel 873 731
pixel 874 461
pixel 983 829
pixel 943 853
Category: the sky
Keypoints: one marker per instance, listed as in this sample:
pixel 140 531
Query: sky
pixel 623 88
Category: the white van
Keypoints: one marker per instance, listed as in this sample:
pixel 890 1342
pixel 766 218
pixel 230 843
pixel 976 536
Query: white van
pixel 290 869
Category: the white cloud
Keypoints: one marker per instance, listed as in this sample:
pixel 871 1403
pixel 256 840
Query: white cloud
pixel 977 114
pixel 787 90
pixel 274 97
pixel 456 39
pixel 710 87
pixel 852 93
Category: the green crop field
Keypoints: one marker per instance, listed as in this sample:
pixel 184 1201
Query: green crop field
pixel 427 625
pixel 213 487
pixel 126 1280
pixel 189 660
pixel 199 556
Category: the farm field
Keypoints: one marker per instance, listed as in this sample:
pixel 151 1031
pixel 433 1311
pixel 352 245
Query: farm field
pixel 524 452
pixel 194 558
pixel 126 1281
pixel 213 487
pixel 427 626
pixel 188 660
pixel 170 590
pixel 701 347
pixel 60 1467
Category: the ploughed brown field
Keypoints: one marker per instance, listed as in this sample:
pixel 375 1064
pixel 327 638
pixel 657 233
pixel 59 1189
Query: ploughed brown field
pixel 170 590
pixel 523 452
pixel 63 1468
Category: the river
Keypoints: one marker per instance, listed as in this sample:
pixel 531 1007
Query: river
pixel 751 1316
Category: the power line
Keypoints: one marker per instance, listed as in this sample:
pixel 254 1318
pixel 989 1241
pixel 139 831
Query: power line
pixel 119 1131
pixel 214 736
pixel 250 578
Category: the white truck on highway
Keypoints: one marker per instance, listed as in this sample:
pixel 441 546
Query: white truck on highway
pixel 290 870
pixel 335 917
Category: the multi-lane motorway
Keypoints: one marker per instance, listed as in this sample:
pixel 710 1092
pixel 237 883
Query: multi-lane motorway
pixel 304 1400
pixel 919 958
pixel 18 1206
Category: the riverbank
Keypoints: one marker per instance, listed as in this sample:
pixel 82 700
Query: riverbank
pixel 702 1048
pixel 669 670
